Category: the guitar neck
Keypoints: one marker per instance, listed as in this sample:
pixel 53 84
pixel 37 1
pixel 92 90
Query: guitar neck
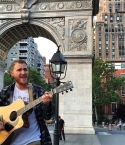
pixel 61 88
pixel 30 105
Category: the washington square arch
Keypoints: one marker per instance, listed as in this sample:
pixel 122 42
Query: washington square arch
pixel 67 23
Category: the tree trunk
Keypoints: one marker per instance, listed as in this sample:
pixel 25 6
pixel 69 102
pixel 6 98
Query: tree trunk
pixel 96 115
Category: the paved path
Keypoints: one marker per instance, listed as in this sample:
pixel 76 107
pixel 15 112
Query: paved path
pixel 80 140
pixel 102 137
pixel 74 139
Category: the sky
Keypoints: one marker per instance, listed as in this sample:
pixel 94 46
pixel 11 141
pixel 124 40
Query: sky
pixel 46 47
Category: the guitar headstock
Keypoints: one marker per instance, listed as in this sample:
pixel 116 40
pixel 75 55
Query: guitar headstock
pixel 64 87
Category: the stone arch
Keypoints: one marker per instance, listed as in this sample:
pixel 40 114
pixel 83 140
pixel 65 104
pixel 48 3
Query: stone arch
pixel 34 28
pixel 44 15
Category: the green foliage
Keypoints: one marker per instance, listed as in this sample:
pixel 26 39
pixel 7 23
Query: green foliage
pixel 7 79
pixel 35 77
pixel 101 115
pixel 105 86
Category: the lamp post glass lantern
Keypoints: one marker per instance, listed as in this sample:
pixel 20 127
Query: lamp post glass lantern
pixel 57 66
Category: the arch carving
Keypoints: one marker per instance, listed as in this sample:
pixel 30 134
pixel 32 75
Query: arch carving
pixel 44 28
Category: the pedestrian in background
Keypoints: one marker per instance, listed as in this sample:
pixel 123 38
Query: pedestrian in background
pixel 116 123
pixel 109 126
pixel 61 128
pixel 120 124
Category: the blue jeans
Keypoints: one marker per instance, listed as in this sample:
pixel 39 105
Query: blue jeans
pixel 120 126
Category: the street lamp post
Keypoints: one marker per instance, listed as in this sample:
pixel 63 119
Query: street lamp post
pixel 57 66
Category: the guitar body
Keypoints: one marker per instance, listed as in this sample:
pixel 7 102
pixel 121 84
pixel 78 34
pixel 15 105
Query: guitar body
pixel 10 119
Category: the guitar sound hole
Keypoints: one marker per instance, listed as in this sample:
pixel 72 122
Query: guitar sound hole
pixel 13 115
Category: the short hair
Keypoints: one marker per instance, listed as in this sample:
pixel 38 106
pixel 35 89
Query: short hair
pixel 59 117
pixel 21 61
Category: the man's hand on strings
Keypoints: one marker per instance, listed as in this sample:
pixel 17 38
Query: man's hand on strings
pixel 46 98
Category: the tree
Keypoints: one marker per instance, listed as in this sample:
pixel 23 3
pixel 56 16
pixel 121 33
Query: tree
pixel 7 79
pixel 36 78
pixel 105 85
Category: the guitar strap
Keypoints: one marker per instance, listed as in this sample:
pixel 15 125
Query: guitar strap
pixel 30 89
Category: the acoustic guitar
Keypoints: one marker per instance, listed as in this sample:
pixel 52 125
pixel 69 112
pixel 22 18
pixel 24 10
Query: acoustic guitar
pixel 12 115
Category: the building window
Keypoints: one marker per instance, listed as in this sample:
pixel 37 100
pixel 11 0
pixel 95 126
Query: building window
pixel 123 75
pixel 100 37
pixel 120 18
pixel 100 55
pixel 112 27
pixel 119 28
pixel 123 91
pixel 123 66
pixel 113 36
pixel 100 47
pixel 13 58
pixel 106 42
pixel 113 107
pixel 106 28
pixel 99 26
pixel 121 46
pixel 117 18
pixel 106 22
pixel 110 8
pixel 110 5
pixel 106 36
pixel 111 18
pixel 106 16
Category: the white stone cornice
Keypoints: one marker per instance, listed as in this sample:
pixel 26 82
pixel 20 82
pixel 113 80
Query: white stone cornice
pixel 46 6
pixel 79 60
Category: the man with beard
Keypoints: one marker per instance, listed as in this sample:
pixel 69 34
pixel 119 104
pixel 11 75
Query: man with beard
pixel 37 132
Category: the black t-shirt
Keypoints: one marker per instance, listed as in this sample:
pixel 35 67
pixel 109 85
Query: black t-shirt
pixel 61 122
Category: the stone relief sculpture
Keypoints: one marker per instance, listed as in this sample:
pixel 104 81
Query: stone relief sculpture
pixel 25 3
pixel 58 24
pixel 78 37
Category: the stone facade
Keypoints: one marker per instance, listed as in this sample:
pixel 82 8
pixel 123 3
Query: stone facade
pixel 67 23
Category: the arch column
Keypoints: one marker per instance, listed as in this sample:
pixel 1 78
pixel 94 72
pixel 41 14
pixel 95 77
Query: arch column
pixel 76 106
pixel 2 69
